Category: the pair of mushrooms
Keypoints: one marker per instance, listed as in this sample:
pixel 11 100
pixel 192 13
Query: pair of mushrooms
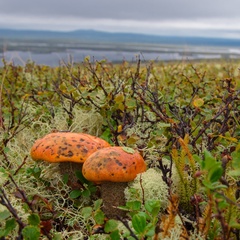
pixel 111 167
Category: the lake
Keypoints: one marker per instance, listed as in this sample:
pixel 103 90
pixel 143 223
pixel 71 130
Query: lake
pixel 53 56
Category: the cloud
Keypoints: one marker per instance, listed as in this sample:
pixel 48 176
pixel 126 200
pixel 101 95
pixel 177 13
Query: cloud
pixel 114 25
pixel 139 16
pixel 139 10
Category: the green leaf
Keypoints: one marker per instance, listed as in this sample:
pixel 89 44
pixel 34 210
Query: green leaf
pixel 234 224
pixel 123 208
pixel 65 178
pixel 86 193
pixel 99 217
pixel 31 233
pixel 80 176
pixel 97 204
pixel 134 205
pixel 163 125
pixel 236 159
pixel 6 149
pixel 128 150
pixel 197 159
pixel 107 135
pixel 57 236
pixel 34 219
pixel 3 176
pixel 9 226
pixel 86 212
pixel 110 225
pixel 153 207
pixel 75 193
pixel 4 215
pixel 215 173
pixel 139 222
pixel 208 184
pixel 223 204
pixel 213 185
pixel 115 235
pixel 131 103
pixel 36 171
pixel 150 230
pixel 131 238
pixel 209 160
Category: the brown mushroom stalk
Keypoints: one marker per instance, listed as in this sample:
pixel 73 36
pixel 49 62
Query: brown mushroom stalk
pixel 68 149
pixel 113 196
pixel 113 168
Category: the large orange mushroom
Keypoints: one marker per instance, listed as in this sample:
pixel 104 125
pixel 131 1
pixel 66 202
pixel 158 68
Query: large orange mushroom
pixel 113 168
pixel 67 148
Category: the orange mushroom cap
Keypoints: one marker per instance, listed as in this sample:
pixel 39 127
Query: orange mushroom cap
pixel 113 164
pixel 66 147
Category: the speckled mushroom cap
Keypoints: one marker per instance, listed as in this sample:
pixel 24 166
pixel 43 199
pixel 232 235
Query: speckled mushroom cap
pixel 113 164
pixel 66 147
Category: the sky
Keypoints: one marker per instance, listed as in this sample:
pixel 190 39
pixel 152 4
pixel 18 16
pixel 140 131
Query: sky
pixel 220 18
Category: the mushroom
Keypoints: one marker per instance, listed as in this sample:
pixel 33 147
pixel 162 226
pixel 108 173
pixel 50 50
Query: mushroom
pixel 113 168
pixel 68 149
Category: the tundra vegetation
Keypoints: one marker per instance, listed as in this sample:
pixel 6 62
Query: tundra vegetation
pixel 184 119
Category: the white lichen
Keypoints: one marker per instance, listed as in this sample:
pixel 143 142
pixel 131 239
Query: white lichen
pixel 86 121
pixel 149 186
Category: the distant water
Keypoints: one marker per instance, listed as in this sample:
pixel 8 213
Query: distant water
pixel 161 54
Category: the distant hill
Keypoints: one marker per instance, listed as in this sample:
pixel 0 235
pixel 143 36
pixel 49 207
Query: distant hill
pixel 98 36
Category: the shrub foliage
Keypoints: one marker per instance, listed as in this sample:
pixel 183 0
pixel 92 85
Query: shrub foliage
pixel 183 117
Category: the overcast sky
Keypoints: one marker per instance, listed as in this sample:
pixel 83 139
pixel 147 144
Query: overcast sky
pixel 191 17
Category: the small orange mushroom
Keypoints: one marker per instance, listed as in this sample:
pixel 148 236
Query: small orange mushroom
pixel 67 148
pixel 113 167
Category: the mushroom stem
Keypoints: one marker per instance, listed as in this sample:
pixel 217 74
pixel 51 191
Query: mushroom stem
pixel 113 197
pixel 70 168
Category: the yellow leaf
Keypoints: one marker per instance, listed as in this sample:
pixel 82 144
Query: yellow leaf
pixel 119 98
pixel 119 129
pixel 198 102
pixel 237 84
pixel 27 95
pixel 238 147
pixel 133 139
pixel 186 139
pixel 231 139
